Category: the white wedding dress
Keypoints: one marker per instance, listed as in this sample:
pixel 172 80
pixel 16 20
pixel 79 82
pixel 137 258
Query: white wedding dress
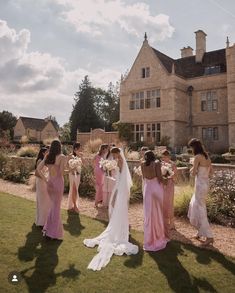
pixel 197 213
pixel 115 238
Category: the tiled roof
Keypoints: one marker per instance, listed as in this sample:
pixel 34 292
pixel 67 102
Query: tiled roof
pixel 188 68
pixel 35 123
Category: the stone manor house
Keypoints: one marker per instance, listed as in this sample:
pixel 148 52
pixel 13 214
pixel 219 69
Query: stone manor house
pixel 193 96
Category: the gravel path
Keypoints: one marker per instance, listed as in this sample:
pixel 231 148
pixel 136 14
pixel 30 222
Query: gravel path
pixel 224 237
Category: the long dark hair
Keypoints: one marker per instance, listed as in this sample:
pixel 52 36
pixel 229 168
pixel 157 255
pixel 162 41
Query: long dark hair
pixel 149 158
pixel 76 146
pixel 197 147
pixel 41 155
pixel 102 148
pixel 109 152
pixel 55 150
pixel 115 150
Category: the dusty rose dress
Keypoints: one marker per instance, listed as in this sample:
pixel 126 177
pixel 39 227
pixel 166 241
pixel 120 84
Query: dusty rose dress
pixel 154 232
pixel 99 180
pixel 168 205
pixel 55 187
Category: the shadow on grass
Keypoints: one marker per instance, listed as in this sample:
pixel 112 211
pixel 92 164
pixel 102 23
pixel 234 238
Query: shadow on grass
pixel 73 225
pixel 135 260
pixel 177 276
pixel 43 272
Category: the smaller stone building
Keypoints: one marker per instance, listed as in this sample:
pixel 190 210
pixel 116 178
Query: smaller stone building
pixel 35 129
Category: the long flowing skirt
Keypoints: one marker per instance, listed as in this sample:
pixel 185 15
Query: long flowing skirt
pixel 73 180
pixel 99 182
pixel 197 213
pixel 154 232
pixel 168 205
pixel 53 227
pixel 43 202
pixel 109 183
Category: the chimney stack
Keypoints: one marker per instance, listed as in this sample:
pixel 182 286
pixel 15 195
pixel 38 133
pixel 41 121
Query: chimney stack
pixel 186 52
pixel 200 45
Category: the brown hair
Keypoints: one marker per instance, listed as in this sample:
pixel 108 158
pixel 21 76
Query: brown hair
pixel 76 146
pixel 55 150
pixel 197 147
pixel 166 153
pixel 102 148
pixel 115 150
pixel 149 157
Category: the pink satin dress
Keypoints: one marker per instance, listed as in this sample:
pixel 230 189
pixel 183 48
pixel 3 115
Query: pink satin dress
pixel 154 232
pixel 99 180
pixel 55 187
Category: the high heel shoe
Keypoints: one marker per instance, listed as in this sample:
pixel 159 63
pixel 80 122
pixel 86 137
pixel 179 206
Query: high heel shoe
pixel 209 241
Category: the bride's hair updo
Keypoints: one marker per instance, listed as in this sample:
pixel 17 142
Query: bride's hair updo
pixel 197 147
pixel 115 150
pixel 149 157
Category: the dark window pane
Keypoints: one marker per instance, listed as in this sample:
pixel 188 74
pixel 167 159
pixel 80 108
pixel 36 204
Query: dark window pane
pixel 158 102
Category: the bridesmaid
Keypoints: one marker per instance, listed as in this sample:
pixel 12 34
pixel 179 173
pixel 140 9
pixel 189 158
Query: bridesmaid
pixel 154 232
pixel 56 163
pixel 197 213
pixel 169 190
pixel 99 173
pixel 42 197
pixel 74 181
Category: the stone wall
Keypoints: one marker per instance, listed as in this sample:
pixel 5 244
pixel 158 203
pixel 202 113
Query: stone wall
pixel 106 137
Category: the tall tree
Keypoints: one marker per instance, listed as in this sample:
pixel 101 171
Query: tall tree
pixel 7 123
pixel 84 116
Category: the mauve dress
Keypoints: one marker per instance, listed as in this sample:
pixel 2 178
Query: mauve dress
pixel 55 187
pixel 154 232
pixel 99 180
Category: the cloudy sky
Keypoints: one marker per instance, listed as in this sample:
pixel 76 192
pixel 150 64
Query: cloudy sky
pixel 48 46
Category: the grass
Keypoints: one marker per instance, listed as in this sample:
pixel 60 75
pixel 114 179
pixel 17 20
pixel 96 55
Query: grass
pixel 61 267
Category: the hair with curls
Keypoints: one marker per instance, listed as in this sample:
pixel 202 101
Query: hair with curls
pixel 102 148
pixel 197 147
pixel 149 157
pixel 76 146
pixel 41 155
pixel 55 150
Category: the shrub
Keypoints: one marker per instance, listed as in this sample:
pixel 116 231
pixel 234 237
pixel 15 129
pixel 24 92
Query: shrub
pixel 222 197
pixel 3 162
pixel 181 164
pixel 218 159
pixel 232 150
pixel 132 155
pixel 18 176
pixel 136 189
pixel 92 146
pixel 28 151
pixel 87 185
pixel 182 200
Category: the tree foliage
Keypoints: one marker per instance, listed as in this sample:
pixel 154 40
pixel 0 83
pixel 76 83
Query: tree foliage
pixel 7 123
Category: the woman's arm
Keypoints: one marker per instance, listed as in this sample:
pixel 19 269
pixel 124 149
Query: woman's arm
pixel 120 164
pixel 196 162
pixel 40 166
pixel 159 172
pixel 142 170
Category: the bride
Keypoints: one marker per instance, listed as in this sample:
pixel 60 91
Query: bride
pixel 114 239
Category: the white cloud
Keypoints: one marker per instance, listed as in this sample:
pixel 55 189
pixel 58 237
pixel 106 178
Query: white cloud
pixel 38 84
pixel 94 16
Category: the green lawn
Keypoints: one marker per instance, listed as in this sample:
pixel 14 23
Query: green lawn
pixel 61 266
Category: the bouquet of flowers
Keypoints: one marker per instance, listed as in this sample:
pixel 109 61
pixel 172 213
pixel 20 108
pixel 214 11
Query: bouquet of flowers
pixel 191 161
pixel 138 171
pixel 108 165
pixel 75 164
pixel 167 171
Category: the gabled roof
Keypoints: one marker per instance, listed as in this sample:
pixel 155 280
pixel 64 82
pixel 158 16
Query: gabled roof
pixel 35 123
pixel 188 68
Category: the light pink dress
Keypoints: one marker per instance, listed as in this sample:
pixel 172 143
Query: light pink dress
pixel 154 232
pixel 55 187
pixel 43 201
pixel 99 180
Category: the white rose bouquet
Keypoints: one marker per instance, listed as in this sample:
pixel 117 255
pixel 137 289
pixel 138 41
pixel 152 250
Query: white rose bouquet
pixel 75 164
pixel 167 171
pixel 108 165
